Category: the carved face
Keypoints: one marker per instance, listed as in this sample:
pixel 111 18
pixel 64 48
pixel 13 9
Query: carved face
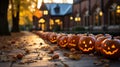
pixel 98 43
pixel 53 38
pixel 63 41
pixel 86 44
pixel 73 41
pixel 111 48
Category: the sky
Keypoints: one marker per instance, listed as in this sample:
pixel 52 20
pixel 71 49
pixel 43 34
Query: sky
pixel 54 1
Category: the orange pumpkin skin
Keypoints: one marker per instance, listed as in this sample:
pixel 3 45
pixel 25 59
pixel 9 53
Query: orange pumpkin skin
pixel 73 41
pixel 47 35
pixel 110 48
pixel 98 35
pixel 53 38
pixel 59 36
pixel 86 44
pixel 98 43
pixel 63 41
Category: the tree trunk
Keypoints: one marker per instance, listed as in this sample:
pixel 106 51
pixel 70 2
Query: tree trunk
pixel 15 18
pixel 4 30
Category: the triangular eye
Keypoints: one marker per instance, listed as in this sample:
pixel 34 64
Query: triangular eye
pixel 90 42
pixel 54 37
pixel 105 45
pixel 83 42
pixel 113 46
pixel 64 40
pixel 73 40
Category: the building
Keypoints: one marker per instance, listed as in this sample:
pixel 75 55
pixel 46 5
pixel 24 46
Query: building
pixel 55 17
pixel 90 15
pixel 98 15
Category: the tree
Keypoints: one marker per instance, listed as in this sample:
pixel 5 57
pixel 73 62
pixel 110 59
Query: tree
pixel 4 30
pixel 15 15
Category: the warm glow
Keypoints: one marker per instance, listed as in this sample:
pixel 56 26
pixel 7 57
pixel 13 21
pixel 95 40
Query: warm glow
pixel 109 52
pixel 57 20
pixel 71 18
pixel 101 13
pixel 77 19
pixel 42 20
pixel 39 3
pixel 86 49
pixel 118 9
pixel 43 27
pixel 37 13
pixel 59 23
pixel 51 22
pixel 45 12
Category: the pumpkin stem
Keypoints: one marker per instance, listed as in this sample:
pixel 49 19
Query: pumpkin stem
pixel 112 37
pixel 87 33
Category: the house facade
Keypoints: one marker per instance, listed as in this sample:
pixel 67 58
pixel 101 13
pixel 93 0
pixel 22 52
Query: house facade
pixel 98 15
pixel 93 15
pixel 55 17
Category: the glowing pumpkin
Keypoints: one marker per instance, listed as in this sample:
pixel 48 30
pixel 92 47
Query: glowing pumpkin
pixel 98 43
pixel 59 36
pixel 53 38
pixel 63 41
pixel 110 48
pixel 73 41
pixel 86 44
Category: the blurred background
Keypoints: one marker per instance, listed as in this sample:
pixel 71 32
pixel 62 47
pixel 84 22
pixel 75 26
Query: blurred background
pixel 96 16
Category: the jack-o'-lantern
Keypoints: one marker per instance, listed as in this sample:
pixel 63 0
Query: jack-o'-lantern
pixel 63 41
pixel 73 41
pixel 110 48
pixel 53 38
pixel 98 43
pixel 86 44
pixel 59 36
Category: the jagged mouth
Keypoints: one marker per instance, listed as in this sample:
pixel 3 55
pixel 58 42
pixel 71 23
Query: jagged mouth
pixel 53 41
pixel 86 49
pixel 64 45
pixel 72 44
pixel 109 52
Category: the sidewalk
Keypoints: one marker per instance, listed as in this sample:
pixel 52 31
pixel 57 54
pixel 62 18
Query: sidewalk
pixel 38 57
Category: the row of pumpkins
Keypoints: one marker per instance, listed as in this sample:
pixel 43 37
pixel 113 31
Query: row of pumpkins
pixel 106 45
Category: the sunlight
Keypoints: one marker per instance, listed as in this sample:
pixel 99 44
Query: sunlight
pixel 39 3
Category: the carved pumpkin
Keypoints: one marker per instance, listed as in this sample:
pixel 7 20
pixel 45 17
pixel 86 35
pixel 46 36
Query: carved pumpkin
pixel 73 41
pixel 53 38
pixel 63 41
pixel 59 36
pixel 98 43
pixel 110 48
pixel 86 44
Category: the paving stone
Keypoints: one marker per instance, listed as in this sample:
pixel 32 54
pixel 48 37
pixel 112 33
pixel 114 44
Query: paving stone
pixel 85 61
pixel 5 64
